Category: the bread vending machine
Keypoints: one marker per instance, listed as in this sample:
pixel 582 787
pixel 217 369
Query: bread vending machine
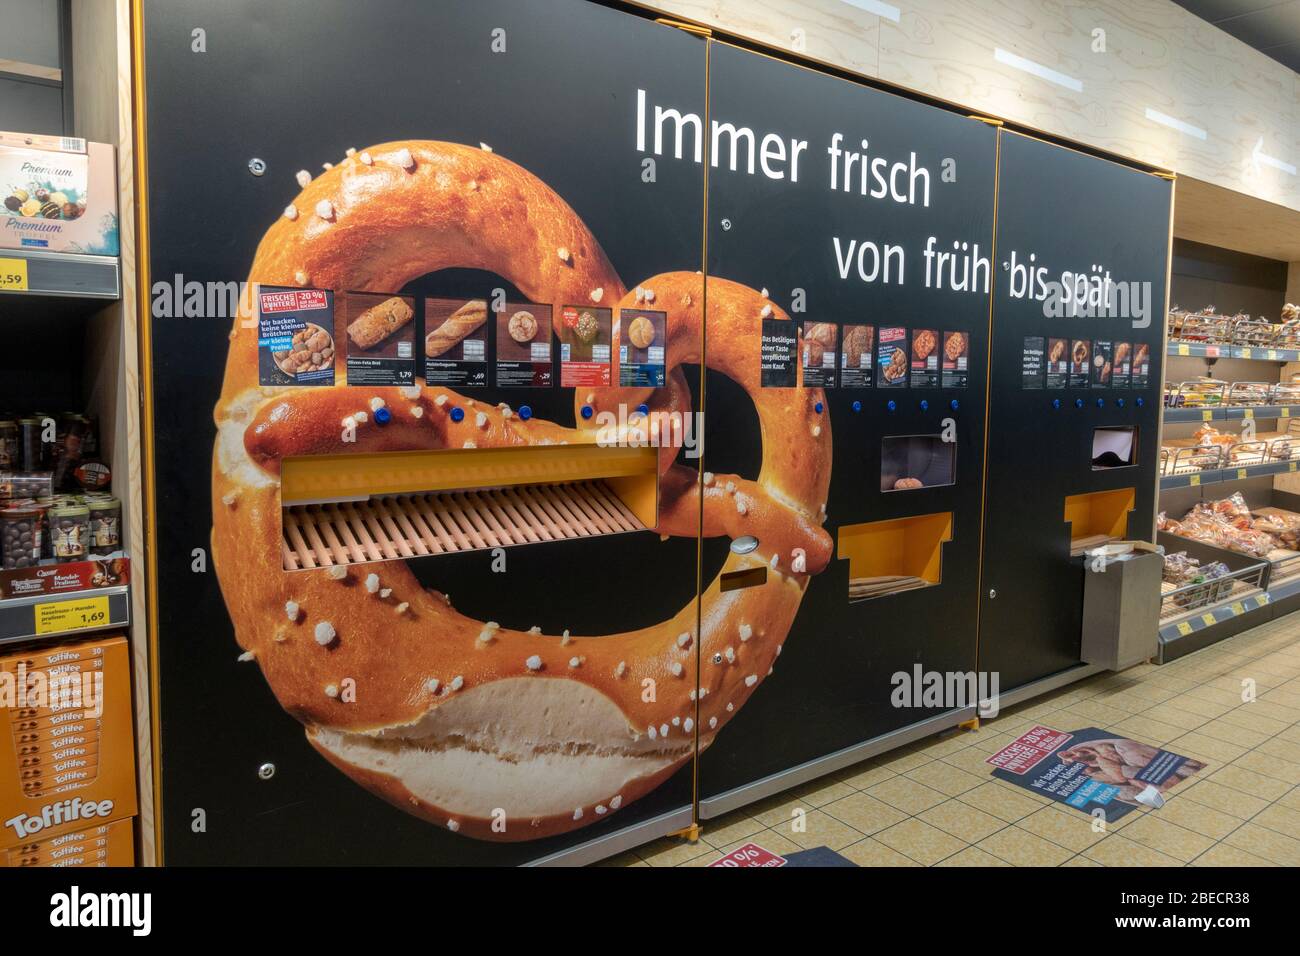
pixel 1074 394
pixel 425 377
pixel 536 475
pixel 867 227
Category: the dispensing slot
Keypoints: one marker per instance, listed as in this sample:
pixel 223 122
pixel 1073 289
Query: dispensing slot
pixel 745 578
pixel 1098 517
pixel 887 557
pixel 439 502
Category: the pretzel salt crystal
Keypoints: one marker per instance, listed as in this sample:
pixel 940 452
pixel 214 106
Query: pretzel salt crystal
pixel 501 733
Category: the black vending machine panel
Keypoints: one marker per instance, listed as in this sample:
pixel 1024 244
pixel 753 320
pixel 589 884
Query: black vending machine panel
pixel 1074 391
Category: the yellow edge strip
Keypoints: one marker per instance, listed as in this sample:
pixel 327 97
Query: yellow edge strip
pixel 147 411
pixel 988 385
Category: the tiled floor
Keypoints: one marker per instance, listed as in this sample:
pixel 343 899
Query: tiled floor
pixel 935 803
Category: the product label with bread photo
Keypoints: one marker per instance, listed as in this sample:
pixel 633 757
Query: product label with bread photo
pixel 295 336
pixel 1080 363
pixel 1140 372
pixel 523 346
pixel 1103 369
pixel 857 350
pixel 585 336
pixel 818 351
pixel 1123 361
pixel 455 342
pixel 1058 363
pixel 925 358
pixel 641 348
pixel 380 338
pixel 892 358
pixel 956 359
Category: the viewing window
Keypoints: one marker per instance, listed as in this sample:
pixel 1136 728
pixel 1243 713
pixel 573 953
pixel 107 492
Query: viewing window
pixel 1113 448
pixel 909 462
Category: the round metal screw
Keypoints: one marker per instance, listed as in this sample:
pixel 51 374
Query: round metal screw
pixel 726 224
pixel 257 166
pixel 266 771
pixel 993 592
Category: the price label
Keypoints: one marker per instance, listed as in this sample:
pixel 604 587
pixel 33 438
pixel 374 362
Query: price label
pixel 1184 350
pixel 1290 466
pixel 1211 351
pixel 1272 354
pixel 1237 608
pixel 1241 472
pixel 1184 628
pixel 1208 618
pixel 1249 413
pixel 1246 353
pixel 1194 480
pixel 13 275
pixel 1263 598
pixel 1207 415
pixel 1284 411
pixel 75 614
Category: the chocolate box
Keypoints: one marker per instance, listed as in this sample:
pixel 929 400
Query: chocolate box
pixel 108 844
pixel 59 195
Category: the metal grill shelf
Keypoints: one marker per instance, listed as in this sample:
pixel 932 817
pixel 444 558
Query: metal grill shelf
pixel 395 527
pixel 1178 602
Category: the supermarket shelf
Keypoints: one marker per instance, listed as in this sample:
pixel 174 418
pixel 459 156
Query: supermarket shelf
pixel 1229 617
pixel 67 274
pixel 1208 617
pixel 57 615
pixel 1230 413
pixel 1220 475
pixel 1201 350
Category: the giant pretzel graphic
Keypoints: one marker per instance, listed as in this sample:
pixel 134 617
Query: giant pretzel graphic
pixel 455 720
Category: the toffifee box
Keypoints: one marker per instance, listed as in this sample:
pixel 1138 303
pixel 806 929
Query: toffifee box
pixel 58 194
pixel 109 844
pixel 90 782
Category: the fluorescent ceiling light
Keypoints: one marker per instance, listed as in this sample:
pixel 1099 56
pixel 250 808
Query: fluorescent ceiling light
pixel 1038 70
pixel 1165 120
pixel 888 11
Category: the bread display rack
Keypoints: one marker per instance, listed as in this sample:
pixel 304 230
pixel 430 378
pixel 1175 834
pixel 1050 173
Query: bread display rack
pixel 1246 438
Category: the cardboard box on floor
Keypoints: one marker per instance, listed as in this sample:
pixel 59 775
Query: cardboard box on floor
pixel 77 792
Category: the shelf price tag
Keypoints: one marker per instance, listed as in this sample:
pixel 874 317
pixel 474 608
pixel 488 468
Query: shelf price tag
pixel 1184 628
pixel 1208 618
pixel 1241 472
pixel 1193 481
pixel 1207 415
pixel 1248 413
pixel 74 614
pixel 1211 351
pixel 1237 608
pixel 1184 350
pixel 13 275
pixel 1246 353
pixel 1290 466
pixel 1272 354
pixel 1263 598
pixel 1284 411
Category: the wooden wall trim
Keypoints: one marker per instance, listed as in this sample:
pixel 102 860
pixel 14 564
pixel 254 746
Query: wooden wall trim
pixel 1152 64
